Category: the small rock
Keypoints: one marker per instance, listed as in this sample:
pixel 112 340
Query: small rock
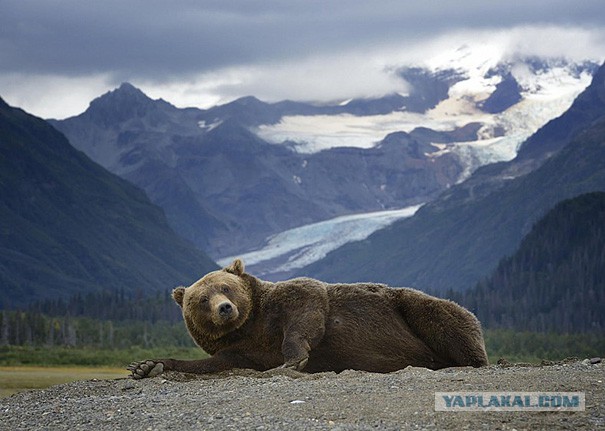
pixel 128 385
pixel 413 369
pixel 595 360
pixel 586 362
pixel 297 402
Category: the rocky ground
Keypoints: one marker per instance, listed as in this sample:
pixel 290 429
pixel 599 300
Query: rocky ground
pixel 287 400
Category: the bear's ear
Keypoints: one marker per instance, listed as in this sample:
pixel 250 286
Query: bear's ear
pixel 178 294
pixel 236 268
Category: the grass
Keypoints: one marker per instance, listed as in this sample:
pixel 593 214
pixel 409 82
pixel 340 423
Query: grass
pixel 90 356
pixel 22 378
pixel 27 367
pixel 516 346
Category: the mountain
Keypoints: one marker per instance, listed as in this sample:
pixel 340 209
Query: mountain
pixel 555 281
pixel 69 226
pixel 458 239
pixel 133 136
pixel 227 190
pixel 507 94
pixel 232 176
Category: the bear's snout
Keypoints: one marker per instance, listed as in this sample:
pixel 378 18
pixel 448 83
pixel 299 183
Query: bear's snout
pixel 225 309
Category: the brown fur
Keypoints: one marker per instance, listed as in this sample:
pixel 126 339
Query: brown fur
pixel 305 324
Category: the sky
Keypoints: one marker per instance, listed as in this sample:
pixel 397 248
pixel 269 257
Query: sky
pixel 58 55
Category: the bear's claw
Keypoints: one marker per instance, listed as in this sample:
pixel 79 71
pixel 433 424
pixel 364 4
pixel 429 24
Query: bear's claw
pixel 297 365
pixel 142 369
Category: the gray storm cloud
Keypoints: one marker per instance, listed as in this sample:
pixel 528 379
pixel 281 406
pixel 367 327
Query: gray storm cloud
pixel 154 39
pixel 56 55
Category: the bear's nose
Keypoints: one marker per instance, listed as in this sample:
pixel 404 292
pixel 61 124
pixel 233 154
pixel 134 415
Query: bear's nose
pixel 225 309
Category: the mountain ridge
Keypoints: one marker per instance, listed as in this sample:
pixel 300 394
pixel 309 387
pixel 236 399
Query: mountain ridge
pixel 211 169
pixel 71 226
pixel 209 176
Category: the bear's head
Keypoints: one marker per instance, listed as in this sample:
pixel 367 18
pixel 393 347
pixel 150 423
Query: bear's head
pixel 218 303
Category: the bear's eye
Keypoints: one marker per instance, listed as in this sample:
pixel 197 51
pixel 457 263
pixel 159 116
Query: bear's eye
pixel 204 300
pixel 225 289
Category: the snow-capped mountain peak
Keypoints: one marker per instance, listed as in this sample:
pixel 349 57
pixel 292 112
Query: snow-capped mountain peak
pixel 511 96
pixel 471 60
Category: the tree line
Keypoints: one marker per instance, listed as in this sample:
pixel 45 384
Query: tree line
pixel 555 282
pixel 100 319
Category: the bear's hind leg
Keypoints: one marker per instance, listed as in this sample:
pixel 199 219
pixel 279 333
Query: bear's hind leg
pixel 450 330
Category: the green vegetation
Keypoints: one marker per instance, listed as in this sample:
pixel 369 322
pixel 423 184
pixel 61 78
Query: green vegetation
pixel 534 347
pixel 31 367
pixel 555 282
pixel 90 356
pixel 18 379
pixel 33 329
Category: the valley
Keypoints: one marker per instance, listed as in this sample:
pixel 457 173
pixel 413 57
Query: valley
pixel 427 190
pixel 293 164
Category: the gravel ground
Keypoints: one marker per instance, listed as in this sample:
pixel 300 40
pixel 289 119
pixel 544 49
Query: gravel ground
pixel 287 400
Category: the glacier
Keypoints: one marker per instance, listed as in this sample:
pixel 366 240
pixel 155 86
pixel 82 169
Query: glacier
pixel 546 93
pixel 301 246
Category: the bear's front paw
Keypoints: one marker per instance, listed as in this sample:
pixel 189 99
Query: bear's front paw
pixel 296 364
pixel 143 369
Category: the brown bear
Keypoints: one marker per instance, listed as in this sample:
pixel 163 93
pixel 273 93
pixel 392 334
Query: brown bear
pixel 306 324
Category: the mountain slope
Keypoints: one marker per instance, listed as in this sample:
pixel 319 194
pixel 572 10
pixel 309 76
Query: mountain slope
pixel 460 237
pixel 231 176
pixel 555 281
pixel 227 190
pixel 135 137
pixel 70 226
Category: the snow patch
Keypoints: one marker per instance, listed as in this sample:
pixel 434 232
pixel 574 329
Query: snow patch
pixel 208 127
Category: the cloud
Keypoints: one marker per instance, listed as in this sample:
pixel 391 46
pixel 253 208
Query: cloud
pixel 333 77
pixel 200 52
pixel 159 39
pixel 52 96
pixel 368 72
